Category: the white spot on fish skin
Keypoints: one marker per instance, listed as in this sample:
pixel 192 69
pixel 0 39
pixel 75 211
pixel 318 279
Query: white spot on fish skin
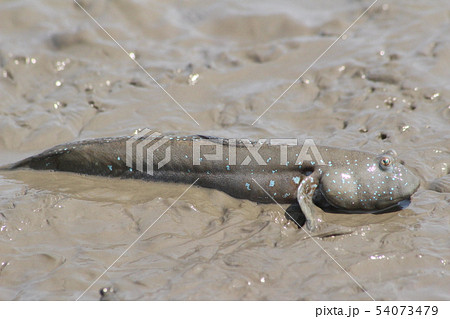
pixel 271 183
pixel 228 168
pixel 248 186
pixel 110 167
pixel 268 160
pixel 296 179
pixel 118 158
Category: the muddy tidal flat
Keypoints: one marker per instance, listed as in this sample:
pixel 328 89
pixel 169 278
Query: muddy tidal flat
pixel 384 84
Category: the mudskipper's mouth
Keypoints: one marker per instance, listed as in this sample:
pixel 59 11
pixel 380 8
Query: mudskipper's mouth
pixel 321 200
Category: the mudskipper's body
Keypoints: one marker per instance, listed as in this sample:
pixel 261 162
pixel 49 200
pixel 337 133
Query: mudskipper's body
pixel 265 172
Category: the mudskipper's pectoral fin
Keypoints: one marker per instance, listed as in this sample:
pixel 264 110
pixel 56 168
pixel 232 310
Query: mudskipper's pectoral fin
pixel 314 215
pixel 305 194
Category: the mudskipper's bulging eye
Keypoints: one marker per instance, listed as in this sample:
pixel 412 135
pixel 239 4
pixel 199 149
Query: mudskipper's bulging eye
pixel 385 162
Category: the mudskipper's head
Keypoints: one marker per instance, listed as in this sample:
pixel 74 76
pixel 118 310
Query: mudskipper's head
pixel 368 182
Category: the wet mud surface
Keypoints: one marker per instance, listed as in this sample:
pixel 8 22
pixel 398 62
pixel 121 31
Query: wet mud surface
pixel 384 85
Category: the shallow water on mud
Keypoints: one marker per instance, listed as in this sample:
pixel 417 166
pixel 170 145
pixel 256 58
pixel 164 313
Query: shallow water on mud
pixel 384 85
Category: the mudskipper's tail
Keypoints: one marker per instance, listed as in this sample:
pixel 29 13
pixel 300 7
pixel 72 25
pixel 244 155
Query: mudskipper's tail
pixel 6 167
pixel 104 157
